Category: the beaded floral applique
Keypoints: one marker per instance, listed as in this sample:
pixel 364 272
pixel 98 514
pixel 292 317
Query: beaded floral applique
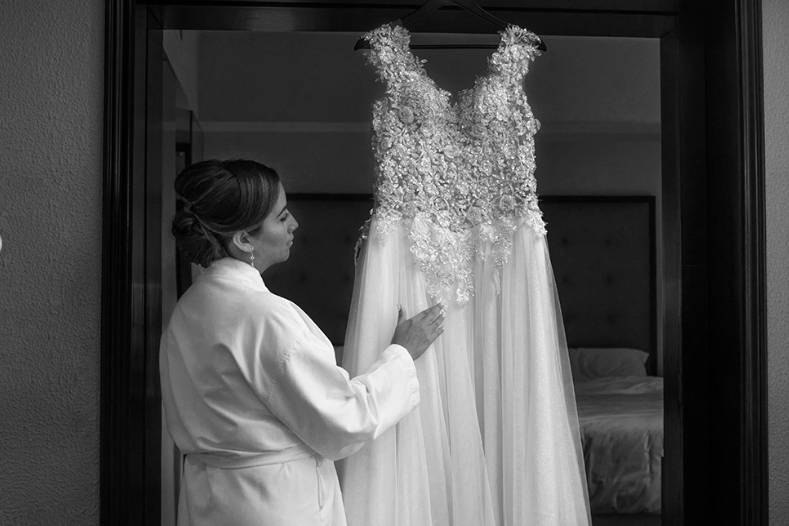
pixel 458 175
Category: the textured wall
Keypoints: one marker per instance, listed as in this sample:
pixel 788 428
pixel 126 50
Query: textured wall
pixel 776 104
pixel 51 67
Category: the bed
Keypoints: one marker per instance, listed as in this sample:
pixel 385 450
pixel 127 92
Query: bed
pixel 620 414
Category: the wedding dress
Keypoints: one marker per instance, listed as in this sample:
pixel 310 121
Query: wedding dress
pixel 456 219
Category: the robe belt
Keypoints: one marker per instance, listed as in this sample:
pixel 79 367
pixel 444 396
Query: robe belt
pixel 224 461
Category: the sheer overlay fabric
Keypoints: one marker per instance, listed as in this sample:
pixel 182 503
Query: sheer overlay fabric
pixel 495 438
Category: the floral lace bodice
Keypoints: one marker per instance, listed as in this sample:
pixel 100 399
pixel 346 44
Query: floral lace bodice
pixel 458 174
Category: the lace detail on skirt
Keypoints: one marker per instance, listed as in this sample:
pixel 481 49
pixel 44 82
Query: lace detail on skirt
pixel 446 256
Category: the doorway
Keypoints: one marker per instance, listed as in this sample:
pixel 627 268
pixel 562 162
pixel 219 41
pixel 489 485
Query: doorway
pixel 692 254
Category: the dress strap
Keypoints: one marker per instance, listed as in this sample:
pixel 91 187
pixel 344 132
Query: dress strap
pixel 390 54
pixel 517 49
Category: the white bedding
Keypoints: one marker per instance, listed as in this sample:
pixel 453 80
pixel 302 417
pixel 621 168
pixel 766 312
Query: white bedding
pixel 621 420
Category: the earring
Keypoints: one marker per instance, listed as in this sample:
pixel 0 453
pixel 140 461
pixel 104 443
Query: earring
pixel 252 257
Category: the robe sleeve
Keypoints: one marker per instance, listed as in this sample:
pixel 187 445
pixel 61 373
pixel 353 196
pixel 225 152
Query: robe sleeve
pixel 331 412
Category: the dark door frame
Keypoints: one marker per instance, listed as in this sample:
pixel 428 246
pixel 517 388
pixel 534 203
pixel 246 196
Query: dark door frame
pixel 713 187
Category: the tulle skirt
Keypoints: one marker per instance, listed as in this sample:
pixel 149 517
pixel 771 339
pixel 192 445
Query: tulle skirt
pixel 495 438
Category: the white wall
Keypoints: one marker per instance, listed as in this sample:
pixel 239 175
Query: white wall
pixel 51 68
pixel 776 105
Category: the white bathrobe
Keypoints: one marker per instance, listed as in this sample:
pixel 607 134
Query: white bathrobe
pixel 254 398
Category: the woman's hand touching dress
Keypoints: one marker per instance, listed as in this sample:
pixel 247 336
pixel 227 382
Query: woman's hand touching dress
pixel 417 333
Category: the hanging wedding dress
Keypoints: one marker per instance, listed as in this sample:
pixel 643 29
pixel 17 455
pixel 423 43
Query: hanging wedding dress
pixel 495 438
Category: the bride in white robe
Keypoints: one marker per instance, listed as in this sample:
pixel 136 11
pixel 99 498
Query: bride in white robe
pixel 252 394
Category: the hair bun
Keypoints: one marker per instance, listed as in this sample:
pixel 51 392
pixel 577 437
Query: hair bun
pixel 184 223
pixel 220 198
pixel 193 240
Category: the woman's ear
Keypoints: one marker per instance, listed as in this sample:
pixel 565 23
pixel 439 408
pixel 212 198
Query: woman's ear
pixel 241 241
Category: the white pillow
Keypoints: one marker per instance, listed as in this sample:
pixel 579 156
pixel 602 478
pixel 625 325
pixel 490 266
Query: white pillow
pixel 588 363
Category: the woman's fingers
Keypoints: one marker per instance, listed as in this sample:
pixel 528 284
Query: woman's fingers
pixel 439 314
pixel 431 325
pixel 429 321
pixel 429 312
pixel 438 320
pixel 437 333
pixel 436 312
pixel 433 311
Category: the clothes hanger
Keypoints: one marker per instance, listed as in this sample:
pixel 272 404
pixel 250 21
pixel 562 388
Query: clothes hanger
pixel 422 13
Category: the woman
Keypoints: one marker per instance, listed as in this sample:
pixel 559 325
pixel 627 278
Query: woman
pixel 252 393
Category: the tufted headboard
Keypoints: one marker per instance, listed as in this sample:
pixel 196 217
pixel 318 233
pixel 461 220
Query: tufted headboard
pixel 602 250
pixel 603 255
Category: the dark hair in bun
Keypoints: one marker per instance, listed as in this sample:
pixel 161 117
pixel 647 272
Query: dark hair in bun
pixel 217 199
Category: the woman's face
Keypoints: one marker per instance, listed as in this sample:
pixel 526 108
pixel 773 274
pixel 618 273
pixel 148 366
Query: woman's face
pixel 272 241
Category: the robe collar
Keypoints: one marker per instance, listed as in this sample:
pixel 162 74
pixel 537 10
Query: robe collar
pixel 236 269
